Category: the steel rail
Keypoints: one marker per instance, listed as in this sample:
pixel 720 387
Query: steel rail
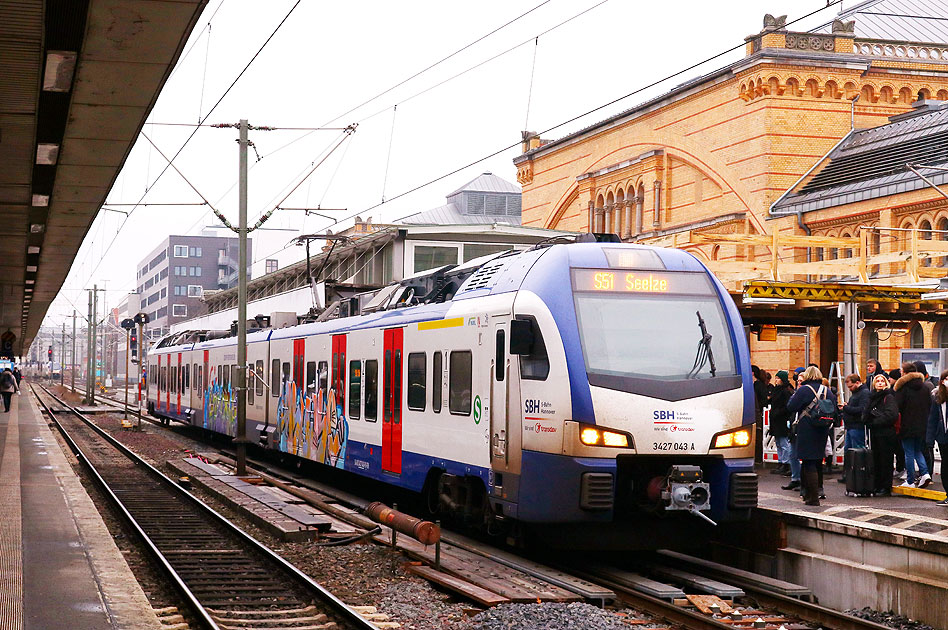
pixel 807 611
pixel 338 606
pixel 178 582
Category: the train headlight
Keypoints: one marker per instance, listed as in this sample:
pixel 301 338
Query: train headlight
pixel 595 436
pixel 729 439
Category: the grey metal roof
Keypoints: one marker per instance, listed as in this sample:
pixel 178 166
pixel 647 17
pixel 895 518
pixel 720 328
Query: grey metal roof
pixel 898 20
pixel 449 214
pixel 872 162
pixel 489 183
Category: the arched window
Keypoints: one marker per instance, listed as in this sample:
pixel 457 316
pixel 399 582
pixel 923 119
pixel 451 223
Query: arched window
pixel 917 338
pixel 924 233
pixel 943 336
pixel 942 235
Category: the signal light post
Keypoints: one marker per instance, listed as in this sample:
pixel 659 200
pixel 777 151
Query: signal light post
pixel 128 325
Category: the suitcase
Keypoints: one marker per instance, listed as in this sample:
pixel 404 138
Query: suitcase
pixel 860 477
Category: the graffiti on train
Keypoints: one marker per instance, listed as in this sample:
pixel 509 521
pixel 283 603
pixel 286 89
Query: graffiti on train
pixel 220 405
pixel 312 425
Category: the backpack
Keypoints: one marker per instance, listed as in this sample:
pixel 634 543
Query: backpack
pixel 822 412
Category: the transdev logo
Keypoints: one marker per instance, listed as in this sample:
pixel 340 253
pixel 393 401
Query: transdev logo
pixel 539 428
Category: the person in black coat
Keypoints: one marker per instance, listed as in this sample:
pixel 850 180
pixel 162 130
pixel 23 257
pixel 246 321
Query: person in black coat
pixel 852 415
pixel 811 439
pixel 780 420
pixel 914 401
pixel 937 430
pixel 879 416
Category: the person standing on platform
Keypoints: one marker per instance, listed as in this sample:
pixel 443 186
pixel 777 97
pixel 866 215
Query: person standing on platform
pixel 780 421
pixel 8 387
pixel 879 416
pixel 811 438
pixel 895 375
pixel 927 450
pixel 914 403
pixel 760 401
pixel 938 426
pixel 872 368
pixel 852 416
pixel 17 375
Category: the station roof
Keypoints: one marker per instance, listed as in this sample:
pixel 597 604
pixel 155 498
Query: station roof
pixel 917 21
pixel 79 79
pixel 870 163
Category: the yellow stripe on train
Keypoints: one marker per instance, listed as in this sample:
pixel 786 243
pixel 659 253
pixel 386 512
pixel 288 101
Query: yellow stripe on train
pixel 441 323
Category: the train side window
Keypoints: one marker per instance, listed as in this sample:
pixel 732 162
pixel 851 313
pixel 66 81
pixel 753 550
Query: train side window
pixel 310 378
pixel 437 375
pixel 249 384
pixel 200 371
pixel 220 375
pixel 275 387
pixel 397 386
pixel 417 367
pixel 286 378
pixel 500 358
pixel 187 376
pixel 355 389
pixel 535 366
pixel 258 380
pixel 460 383
pixel 372 390
pixel 196 375
pixel 234 381
pixel 174 379
pixel 324 380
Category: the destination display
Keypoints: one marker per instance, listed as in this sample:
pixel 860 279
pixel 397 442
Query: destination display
pixel 635 281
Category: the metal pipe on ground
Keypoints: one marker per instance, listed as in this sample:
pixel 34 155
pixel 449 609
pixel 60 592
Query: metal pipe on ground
pixel 425 532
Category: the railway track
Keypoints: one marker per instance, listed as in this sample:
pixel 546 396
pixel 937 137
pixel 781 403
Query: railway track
pixel 229 579
pixel 757 605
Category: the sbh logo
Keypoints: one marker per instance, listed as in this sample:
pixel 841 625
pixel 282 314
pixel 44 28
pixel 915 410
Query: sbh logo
pixel 663 415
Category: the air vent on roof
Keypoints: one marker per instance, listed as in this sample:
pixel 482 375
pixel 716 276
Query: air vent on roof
pixel 484 276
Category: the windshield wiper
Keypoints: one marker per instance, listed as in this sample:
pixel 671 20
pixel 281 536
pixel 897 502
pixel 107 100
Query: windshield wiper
pixel 704 354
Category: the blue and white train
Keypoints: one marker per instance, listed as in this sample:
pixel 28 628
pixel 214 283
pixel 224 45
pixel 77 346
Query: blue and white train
pixel 582 389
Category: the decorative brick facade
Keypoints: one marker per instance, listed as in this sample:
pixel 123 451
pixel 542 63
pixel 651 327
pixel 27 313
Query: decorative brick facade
pixel 714 154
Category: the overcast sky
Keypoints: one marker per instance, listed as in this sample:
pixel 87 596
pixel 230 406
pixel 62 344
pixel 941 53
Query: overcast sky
pixel 328 58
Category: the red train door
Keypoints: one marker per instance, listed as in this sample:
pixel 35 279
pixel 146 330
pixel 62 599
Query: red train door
pixel 338 382
pixel 392 401
pixel 204 375
pixel 179 382
pixel 299 364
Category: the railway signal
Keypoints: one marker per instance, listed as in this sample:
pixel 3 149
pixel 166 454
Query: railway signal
pixel 129 326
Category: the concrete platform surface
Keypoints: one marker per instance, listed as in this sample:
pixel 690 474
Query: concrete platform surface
pixel 897 515
pixel 59 566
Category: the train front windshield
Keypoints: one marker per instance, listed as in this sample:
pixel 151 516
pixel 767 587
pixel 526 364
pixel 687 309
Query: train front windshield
pixel 652 325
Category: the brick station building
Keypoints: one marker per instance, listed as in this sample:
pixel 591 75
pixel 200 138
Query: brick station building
pixel 716 155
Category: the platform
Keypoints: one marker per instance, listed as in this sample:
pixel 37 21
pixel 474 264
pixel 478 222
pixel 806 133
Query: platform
pixel 58 561
pixel 899 514
pixel 887 553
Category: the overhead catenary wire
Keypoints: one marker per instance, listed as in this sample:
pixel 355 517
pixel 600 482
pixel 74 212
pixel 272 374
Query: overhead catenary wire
pixel 490 59
pixel 437 63
pixel 829 4
pixel 178 152
pixel 434 180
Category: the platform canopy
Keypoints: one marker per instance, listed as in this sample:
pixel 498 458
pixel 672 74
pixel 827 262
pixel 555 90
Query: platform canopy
pixel 79 79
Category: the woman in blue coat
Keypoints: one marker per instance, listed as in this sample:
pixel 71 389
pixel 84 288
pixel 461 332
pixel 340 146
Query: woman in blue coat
pixel 811 439
pixel 938 426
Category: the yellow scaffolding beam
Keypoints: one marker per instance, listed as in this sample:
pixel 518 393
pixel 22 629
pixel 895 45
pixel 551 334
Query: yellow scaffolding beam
pixel 825 292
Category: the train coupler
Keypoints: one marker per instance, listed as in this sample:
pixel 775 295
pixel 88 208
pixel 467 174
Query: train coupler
pixel 684 490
